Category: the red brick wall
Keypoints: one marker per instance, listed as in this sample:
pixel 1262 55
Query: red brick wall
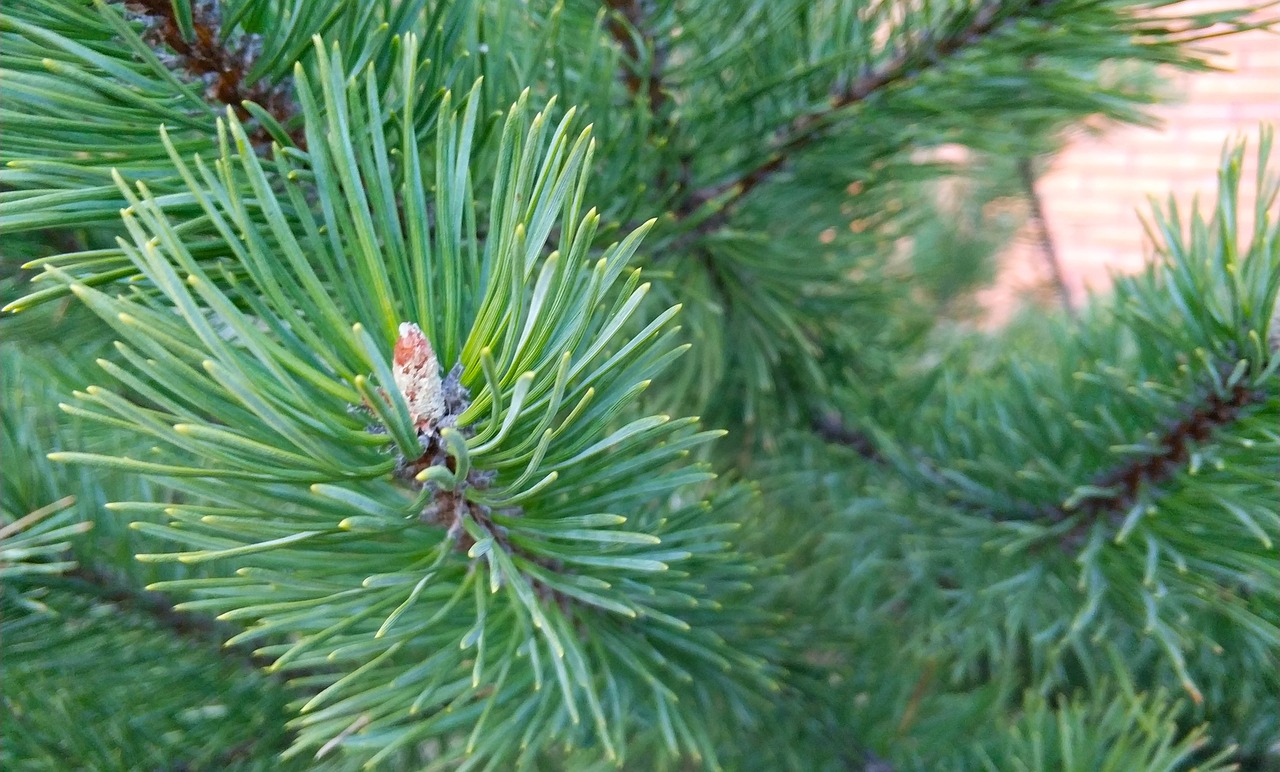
pixel 1093 191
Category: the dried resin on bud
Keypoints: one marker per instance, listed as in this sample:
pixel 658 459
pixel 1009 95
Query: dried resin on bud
pixel 417 376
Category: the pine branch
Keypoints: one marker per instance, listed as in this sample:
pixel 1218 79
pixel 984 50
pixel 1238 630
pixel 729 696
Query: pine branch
pixel 157 608
pixel 1199 422
pixel 1127 480
pixel 223 69
pixel 638 20
pixel 908 64
pixel 833 430
pixel 1041 224
pixel 636 14
pixel 450 508
pixel 545 480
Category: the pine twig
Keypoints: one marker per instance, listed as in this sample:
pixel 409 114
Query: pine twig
pixel 637 16
pixel 907 64
pixel 911 711
pixel 1041 224
pixel 832 429
pixel 222 69
pixel 154 606
pixel 1198 424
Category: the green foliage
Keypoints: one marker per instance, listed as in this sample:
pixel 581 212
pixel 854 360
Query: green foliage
pixel 323 330
pixel 1135 442
pixel 1097 497
pixel 89 87
pixel 45 504
pixel 1136 733
pixel 67 638
pixel 35 542
pixel 503 567
pixel 89 685
pixel 847 93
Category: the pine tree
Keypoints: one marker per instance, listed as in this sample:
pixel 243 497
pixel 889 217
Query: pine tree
pixel 406 385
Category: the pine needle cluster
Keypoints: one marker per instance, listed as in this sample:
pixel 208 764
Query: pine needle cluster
pixel 483 385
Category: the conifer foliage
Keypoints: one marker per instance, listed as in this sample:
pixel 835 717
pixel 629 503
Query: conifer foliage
pixel 483 385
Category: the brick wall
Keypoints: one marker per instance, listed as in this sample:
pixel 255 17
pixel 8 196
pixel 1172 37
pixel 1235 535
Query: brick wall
pixel 1093 191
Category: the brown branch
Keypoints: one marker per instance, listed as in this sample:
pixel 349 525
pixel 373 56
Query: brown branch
pixel 1041 224
pixel 156 607
pixel 831 428
pixel 1125 482
pixel 907 64
pixel 223 69
pixel 1128 480
pixel 633 16
pixel 910 713
pixel 195 627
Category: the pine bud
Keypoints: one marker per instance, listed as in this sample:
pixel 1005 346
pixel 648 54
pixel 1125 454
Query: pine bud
pixel 417 376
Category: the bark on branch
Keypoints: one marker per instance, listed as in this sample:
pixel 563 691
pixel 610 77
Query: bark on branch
pixel 631 27
pixel 153 606
pixel 833 430
pixel 1196 425
pixel 222 68
pixel 802 132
